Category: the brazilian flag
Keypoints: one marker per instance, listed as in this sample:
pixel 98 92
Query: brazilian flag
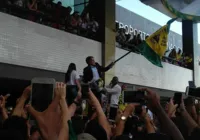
pixel 154 47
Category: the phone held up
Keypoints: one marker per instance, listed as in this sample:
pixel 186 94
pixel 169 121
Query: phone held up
pixel 84 90
pixel 42 93
pixel 134 97
pixel 193 92
pixel 177 98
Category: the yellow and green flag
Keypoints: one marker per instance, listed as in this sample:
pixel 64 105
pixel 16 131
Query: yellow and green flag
pixel 154 47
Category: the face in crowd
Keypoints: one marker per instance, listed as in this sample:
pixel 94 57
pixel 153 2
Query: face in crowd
pixel 91 61
pixel 114 81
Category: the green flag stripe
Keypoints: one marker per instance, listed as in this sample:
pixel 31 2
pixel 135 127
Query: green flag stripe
pixel 149 54
pixel 178 14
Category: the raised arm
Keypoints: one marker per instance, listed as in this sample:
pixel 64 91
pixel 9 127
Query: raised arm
pixel 167 124
pixel 19 108
pixel 121 123
pixel 187 119
pixel 104 69
pixel 3 110
pixel 100 114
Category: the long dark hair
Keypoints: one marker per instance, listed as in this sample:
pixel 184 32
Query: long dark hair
pixel 71 67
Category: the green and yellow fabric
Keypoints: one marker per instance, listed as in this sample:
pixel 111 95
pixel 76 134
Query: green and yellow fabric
pixel 154 47
pixel 122 106
pixel 178 14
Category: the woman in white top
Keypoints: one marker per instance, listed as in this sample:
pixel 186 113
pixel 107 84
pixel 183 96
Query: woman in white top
pixel 73 84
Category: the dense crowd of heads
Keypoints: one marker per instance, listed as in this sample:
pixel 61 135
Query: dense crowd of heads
pixel 157 119
pixel 55 15
pixel 81 111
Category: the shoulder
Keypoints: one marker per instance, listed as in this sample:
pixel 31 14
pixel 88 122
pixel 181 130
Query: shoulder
pixel 86 68
pixel 118 86
pixel 74 72
pixel 97 65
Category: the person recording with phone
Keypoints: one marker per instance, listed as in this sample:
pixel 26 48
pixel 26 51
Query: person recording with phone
pixel 73 84
pixel 92 74
pixel 114 91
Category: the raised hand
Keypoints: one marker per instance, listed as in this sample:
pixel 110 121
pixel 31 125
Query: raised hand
pixel 2 106
pixel 153 99
pixel 129 110
pixel 171 109
pixel 19 108
pixel 53 121
pixel 3 100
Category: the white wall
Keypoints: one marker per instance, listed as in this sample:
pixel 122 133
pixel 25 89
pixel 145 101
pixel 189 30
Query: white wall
pixel 135 69
pixel 29 44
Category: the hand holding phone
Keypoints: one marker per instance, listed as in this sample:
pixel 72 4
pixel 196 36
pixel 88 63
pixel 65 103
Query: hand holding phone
pixel 42 93
pixel 112 113
pixel 85 90
pixel 50 122
pixel 194 92
pixel 134 97
pixel 177 98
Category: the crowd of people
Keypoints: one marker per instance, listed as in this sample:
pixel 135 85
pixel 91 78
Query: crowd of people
pixel 48 13
pixel 73 115
pixel 131 42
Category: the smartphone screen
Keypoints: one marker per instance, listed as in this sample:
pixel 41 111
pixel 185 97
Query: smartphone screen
pixel 42 95
pixel 112 113
pixel 134 97
pixel 177 98
pixel 192 92
pixel 84 90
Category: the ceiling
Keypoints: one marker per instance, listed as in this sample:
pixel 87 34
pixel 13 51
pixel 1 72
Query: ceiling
pixel 185 6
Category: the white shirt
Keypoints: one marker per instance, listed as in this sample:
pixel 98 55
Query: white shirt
pixel 73 77
pixel 115 93
pixel 95 74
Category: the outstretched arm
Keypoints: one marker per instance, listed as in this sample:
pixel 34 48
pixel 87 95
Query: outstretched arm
pixel 104 69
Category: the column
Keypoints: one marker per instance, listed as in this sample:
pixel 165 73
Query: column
pixel 190 46
pixel 108 49
pixel 104 11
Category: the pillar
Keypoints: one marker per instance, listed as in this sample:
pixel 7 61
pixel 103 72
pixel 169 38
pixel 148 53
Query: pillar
pixel 104 11
pixel 190 45
pixel 108 47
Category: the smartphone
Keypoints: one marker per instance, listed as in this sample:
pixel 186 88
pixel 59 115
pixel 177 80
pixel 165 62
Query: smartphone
pixel 134 97
pixel 194 92
pixel 42 93
pixel 112 113
pixel 84 91
pixel 177 98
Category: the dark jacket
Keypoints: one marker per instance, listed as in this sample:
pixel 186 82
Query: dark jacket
pixel 88 75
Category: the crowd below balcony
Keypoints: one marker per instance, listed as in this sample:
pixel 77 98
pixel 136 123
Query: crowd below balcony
pixel 132 41
pixel 48 13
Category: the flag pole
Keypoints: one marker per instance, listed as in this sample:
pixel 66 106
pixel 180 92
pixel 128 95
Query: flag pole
pixel 122 56
pixel 127 52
